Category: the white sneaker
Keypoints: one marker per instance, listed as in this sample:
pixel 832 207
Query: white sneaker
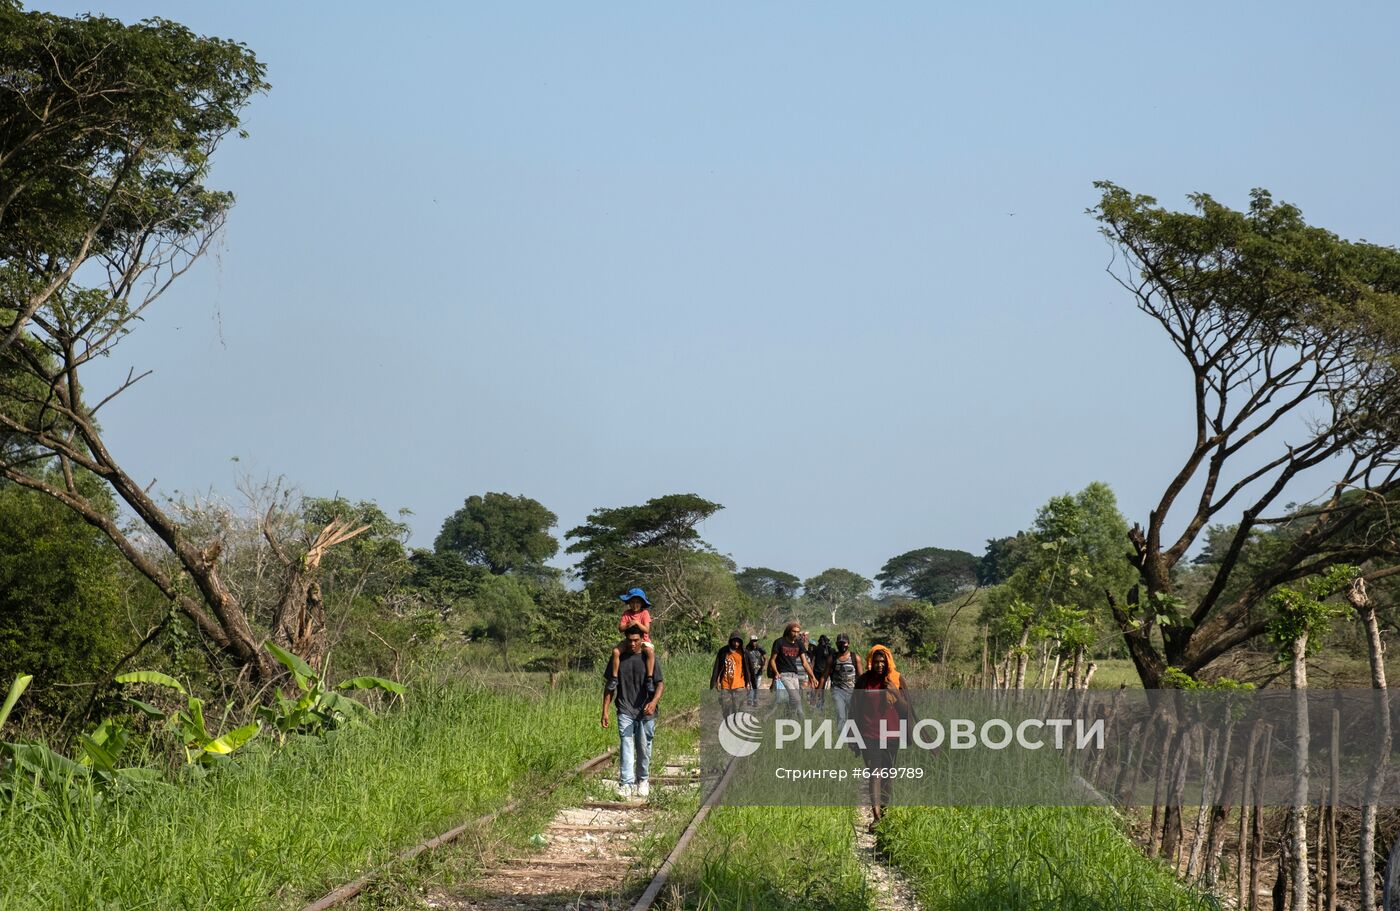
pixel 643 788
pixel 624 791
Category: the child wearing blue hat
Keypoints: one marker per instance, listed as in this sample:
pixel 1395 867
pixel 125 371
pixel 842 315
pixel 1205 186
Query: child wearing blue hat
pixel 635 612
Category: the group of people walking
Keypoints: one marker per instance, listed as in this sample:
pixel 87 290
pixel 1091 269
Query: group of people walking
pixel 797 672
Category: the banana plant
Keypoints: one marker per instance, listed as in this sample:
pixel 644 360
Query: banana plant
pixel 318 709
pixel 16 690
pixel 98 757
pixel 200 745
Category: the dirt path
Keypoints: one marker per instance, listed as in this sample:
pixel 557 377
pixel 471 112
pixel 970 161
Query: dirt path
pixel 890 891
pixel 587 861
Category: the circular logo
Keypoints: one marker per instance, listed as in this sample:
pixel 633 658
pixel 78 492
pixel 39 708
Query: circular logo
pixel 740 734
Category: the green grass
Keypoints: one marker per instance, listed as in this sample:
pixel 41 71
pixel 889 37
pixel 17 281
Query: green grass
pixel 773 859
pixel 1028 859
pixel 278 825
pixel 453 868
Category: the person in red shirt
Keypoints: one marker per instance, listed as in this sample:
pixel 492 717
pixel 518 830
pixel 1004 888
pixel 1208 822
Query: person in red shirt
pixel 636 612
pixel 871 710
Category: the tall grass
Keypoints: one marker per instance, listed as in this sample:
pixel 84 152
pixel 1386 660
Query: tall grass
pixel 279 824
pixel 1029 859
pixel 773 859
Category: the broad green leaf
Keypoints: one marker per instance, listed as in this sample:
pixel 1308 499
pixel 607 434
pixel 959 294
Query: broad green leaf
pixel 155 677
pixel 233 739
pixel 193 722
pixel 146 708
pixel 299 668
pixel 334 702
pixel 96 754
pixel 40 759
pixel 371 683
pixel 16 690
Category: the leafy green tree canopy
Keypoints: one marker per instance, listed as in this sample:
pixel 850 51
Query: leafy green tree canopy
pixel 105 135
pixel 930 574
pixel 768 586
pixel 1085 535
pixel 1001 558
pixel 501 532
pixel 1282 325
pixel 667 522
pixel 908 627
pixel 61 599
pixel 836 588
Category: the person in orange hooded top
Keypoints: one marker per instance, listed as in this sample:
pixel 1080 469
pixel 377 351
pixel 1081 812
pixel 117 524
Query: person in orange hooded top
pixel 874 711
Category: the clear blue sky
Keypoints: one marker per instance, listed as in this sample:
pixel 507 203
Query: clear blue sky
pixel 827 264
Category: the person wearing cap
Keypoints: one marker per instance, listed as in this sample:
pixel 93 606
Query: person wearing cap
pixel 731 674
pixel 755 657
pixel 636 612
pixel 841 671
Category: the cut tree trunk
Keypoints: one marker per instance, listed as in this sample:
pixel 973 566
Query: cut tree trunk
pixel 1298 818
pixel 1366 611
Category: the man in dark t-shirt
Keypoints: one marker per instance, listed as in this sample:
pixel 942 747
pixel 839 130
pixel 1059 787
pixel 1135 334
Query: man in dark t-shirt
pixel 818 656
pixel 788 660
pixel 756 659
pixel 636 713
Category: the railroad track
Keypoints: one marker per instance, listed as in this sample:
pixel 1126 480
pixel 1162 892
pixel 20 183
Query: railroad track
pixel 663 873
pixel 582 825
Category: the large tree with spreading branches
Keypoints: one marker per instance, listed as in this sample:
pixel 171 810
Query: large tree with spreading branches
pixel 1291 337
pixel 107 132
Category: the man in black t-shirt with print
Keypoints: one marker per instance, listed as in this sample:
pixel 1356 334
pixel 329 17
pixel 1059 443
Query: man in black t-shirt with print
pixel 788 660
pixel 636 713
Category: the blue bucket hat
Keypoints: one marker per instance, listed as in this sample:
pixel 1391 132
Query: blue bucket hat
pixel 635 593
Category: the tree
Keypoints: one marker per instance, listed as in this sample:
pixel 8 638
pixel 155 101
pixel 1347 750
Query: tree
pixel 768 586
pixel 662 523
pixel 836 589
pixel 305 569
pixel 108 132
pixel 505 605
pixel 1292 339
pixel 443 581
pixel 930 574
pixel 501 532
pixel 1073 552
pixel 61 599
pixel 909 627
pixel 657 546
pixel 1300 619
pixel 358 580
pixel 1001 558
pixel 105 136
pixel 1360 600
pixel 575 630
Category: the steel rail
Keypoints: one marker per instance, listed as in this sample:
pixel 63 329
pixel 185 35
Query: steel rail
pixel 356 886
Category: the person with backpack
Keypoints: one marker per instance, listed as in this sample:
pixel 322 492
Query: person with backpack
pixel 755 657
pixel 636 687
pixel 842 668
pixel 731 674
